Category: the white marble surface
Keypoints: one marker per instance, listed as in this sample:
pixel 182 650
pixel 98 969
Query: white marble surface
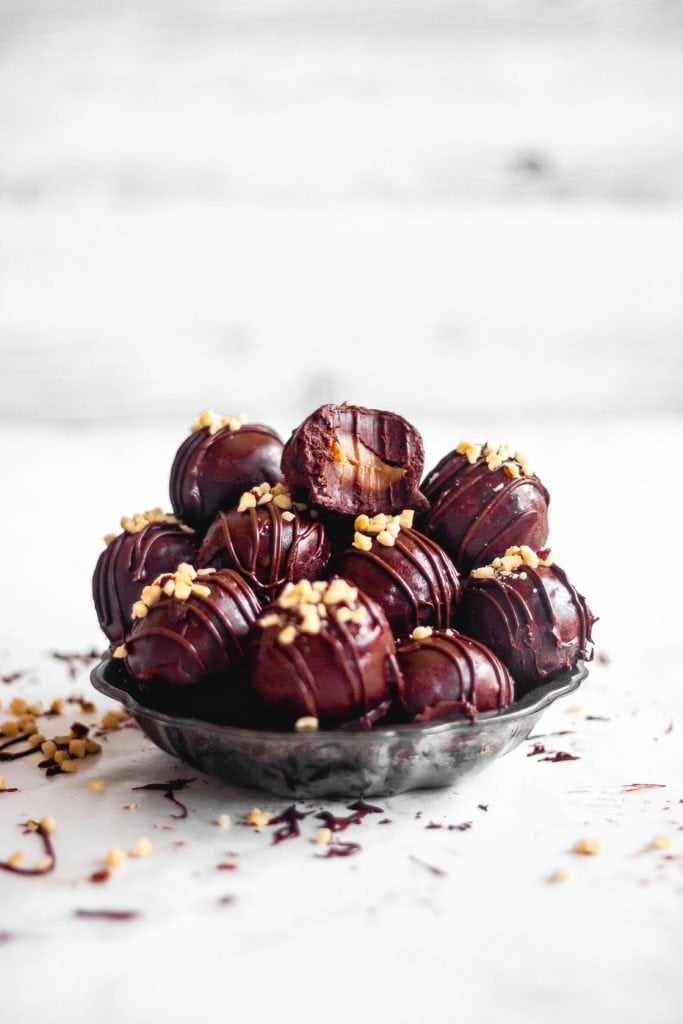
pixel 377 935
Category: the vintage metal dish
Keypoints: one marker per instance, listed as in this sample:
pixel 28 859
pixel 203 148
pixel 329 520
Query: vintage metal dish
pixel 378 762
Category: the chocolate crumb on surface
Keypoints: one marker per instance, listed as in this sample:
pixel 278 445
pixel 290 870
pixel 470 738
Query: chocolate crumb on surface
pixel 108 915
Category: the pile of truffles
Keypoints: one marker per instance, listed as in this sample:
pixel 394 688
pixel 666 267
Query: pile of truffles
pixel 320 584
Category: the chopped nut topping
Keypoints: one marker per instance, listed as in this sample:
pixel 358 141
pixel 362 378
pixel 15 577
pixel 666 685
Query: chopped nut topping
pixel 497 456
pixel 662 842
pixel 48 823
pixel 3 784
pixel 513 559
pixel 421 632
pixel 247 501
pixel 271 619
pixel 257 818
pixel 224 821
pixel 588 846
pixel 307 723
pixel 15 858
pixel 120 652
pixel 141 848
pixel 349 405
pixel 137 522
pixel 288 516
pixel 362 542
pixel 323 836
pixel 287 635
pixel 45 863
pixel 498 487
pixel 108 538
pixel 209 420
pixel 386 539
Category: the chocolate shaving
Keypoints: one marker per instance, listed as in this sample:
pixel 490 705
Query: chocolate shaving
pixel 109 915
pixel 341 849
pixel 169 790
pixel 633 786
pixel 9 789
pixel 100 876
pixel 51 860
pixel 289 819
pixel 561 755
pixel 430 867
pixel 12 677
pixel 433 824
pixel 462 827
pixel 537 748
pixel 226 900
pixel 360 809
pixel 225 867
pixel 483 807
pixel 76 661
pixel 385 821
pixel 597 718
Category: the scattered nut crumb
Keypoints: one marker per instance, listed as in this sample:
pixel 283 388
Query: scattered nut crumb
pixel 130 807
pixel 224 821
pixel 257 818
pixel 323 836
pixel 48 823
pixel 116 856
pixel 588 846
pixel 141 848
pixel 662 842
pixel 561 875
pixel 307 723
pixel 95 785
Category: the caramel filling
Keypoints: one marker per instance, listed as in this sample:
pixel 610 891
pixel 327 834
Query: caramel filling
pixel 357 464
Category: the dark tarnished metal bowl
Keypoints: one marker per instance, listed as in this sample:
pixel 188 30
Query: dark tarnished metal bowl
pixel 349 763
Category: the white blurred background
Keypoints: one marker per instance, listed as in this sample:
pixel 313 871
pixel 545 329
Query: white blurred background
pixel 463 211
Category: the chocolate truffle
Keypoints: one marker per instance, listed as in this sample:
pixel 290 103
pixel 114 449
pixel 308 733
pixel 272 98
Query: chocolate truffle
pixel 348 459
pixel 526 610
pixel 446 675
pixel 483 499
pixel 222 457
pixel 410 577
pixel 323 651
pixel 268 539
pixel 190 627
pixel 151 543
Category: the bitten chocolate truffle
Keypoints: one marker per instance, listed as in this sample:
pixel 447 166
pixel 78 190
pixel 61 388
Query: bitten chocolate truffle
pixel 524 608
pixel 190 627
pixel 348 459
pixel 484 498
pixel 267 539
pixel 151 543
pixel 410 577
pixel 222 457
pixel 323 651
pixel 448 675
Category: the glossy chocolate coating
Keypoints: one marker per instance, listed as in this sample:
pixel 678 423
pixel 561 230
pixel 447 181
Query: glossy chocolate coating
pixel 189 642
pixel 414 582
pixel 475 518
pixel 533 619
pixel 211 471
pixel 265 548
pixel 349 460
pixel 127 564
pixel 341 674
pixel 446 669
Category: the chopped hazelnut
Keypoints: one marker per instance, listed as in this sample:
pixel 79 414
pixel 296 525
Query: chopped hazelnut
pixel 287 635
pixel 588 846
pixel 561 875
pixel 95 785
pixel 257 818
pixel 47 823
pixel 141 848
pixel 421 632
pixel 116 856
pixel 386 539
pixel 323 836
pixel 662 842
pixel 223 821
pixel 362 542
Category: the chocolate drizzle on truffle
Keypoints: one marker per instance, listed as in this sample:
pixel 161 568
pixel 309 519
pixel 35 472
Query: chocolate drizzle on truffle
pixel 411 577
pixel 324 650
pixel 532 617
pixel 483 499
pixel 445 673
pixel 195 637
pixel 131 560
pixel 270 543
pixel 211 470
